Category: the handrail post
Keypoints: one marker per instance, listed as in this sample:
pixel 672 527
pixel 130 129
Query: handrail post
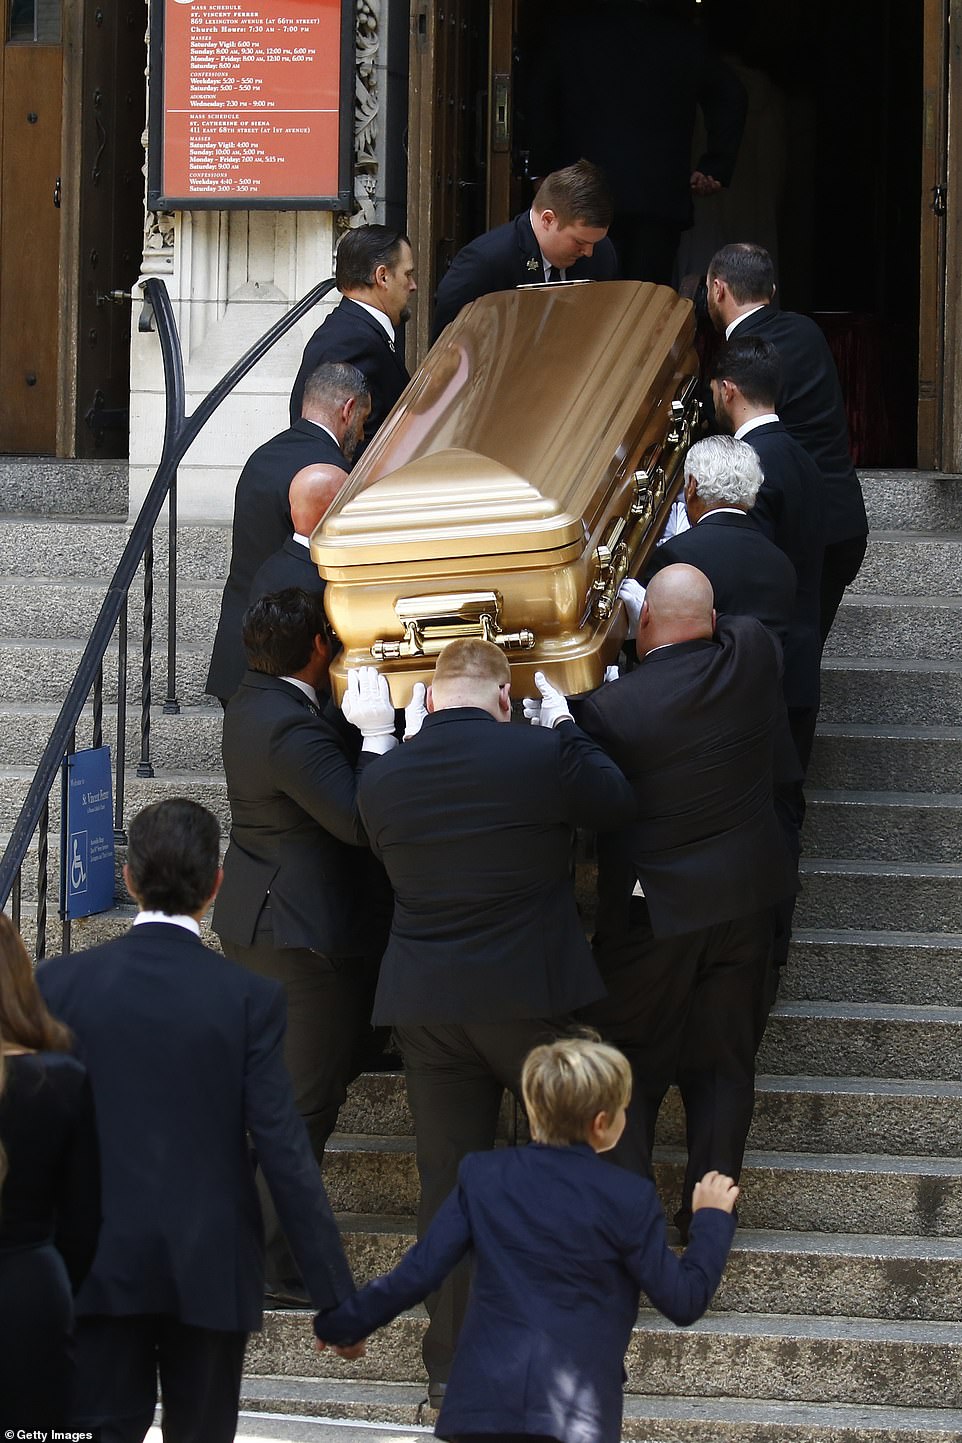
pixel 171 704
pixel 180 432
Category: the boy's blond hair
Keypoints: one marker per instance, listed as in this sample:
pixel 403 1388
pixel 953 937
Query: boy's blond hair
pixel 469 658
pixel 568 1082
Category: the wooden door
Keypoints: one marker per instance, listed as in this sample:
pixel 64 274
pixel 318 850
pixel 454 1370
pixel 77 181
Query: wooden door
pixel 31 88
pixel 109 214
pixel 446 143
pixel 934 201
pixel 500 128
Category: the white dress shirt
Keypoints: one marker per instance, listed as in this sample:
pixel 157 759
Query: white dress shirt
pixel 743 317
pixel 748 426
pixel 173 919
pixel 382 320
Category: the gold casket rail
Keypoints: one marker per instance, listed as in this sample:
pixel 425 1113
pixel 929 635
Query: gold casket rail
pixel 528 468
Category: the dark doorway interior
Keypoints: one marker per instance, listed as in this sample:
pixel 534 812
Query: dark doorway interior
pixel 830 176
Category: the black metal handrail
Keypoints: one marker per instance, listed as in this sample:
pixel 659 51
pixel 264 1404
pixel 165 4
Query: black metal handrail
pixel 180 432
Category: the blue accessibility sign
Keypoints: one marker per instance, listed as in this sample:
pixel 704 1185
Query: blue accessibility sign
pixel 87 834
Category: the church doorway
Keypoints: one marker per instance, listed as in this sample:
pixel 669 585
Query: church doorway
pixel 843 170
pixel 71 221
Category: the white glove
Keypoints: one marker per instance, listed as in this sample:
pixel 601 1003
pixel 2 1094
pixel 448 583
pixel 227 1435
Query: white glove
pixel 612 673
pixel 367 705
pixel 633 596
pixel 550 709
pixel 415 711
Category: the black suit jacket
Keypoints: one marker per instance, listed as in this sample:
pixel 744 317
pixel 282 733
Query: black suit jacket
pixel 295 831
pixel 501 260
pixel 350 334
pixel 789 510
pixel 750 576
pixel 184 1053
pixel 692 729
pixel 639 132
pixel 289 565
pixel 811 408
pixel 473 821
pixel 262 523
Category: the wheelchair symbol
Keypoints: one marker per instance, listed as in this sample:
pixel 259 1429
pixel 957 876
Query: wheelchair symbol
pixel 78 863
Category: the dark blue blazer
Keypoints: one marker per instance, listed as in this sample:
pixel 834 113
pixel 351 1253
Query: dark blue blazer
pixel 184 1054
pixel 504 258
pixel 350 334
pixel 563 1244
pixel 473 821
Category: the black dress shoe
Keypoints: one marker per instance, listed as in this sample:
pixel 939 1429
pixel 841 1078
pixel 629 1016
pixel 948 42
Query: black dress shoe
pixel 430 1404
pixel 284 1296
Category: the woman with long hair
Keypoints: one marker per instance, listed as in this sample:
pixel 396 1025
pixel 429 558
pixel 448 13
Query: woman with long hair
pixel 49 1196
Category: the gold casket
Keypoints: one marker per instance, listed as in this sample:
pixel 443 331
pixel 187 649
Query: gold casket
pixel 526 470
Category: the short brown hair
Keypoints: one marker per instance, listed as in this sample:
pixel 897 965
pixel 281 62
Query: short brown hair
pixel 747 271
pixel 470 658
pixel 578 194
pixel 568 1082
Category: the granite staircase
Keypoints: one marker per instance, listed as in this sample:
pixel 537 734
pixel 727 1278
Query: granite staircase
pixel 840 1316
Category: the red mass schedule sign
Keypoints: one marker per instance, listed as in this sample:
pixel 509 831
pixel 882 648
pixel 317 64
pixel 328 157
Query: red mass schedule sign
pixel 252 101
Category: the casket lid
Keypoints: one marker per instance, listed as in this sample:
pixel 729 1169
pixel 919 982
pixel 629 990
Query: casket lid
pixel 450 503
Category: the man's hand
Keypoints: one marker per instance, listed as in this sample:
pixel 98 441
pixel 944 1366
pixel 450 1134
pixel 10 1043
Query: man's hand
pixel 343 1350
pixel 550 709
pixel 702 184
pixel 415 711
pixel 367 705
pixel 611 674
pixel 715 1191
pixel 632 594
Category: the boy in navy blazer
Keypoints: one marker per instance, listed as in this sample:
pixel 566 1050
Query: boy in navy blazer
pixel 563 1245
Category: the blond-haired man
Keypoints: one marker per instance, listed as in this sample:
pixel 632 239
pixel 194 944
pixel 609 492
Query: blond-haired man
pixel 473 820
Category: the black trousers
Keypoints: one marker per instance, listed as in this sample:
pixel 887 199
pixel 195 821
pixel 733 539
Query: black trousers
pixel 688 1009
pixel 841 561
pixel 118 1362
pixel 646 247
pixel 329 1002
pixel 456 1075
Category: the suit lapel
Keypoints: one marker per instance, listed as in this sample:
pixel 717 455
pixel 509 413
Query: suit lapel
pixel 530 266
pixel 393 351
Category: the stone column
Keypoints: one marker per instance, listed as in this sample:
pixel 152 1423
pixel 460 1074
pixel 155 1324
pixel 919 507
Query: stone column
pixel 231 274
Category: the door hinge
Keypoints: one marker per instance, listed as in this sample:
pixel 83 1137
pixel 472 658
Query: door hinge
pixel 939 199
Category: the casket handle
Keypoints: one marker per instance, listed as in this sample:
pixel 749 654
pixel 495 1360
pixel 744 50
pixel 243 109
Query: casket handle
pixel 430 622
pixel 611 568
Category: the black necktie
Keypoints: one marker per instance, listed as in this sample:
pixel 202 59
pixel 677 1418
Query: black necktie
pixel 554 275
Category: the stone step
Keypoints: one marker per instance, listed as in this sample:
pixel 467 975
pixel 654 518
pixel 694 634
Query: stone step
pixel 890 692
pixel 852 1192
pixel 32 546
pixel 911 563
pixel 924 500
pixel 208 789
pixel 810 1114
pixel 33 670
pixel 862 1040
pixel 187 742
pixel 889 758
pixel 53 609
pixel 45 486
pixel 858 965
pixel 884 826
pixel 696 1419
pixel 919 627
pixel 789 1357
pixel 922 897
pixel 832 1274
